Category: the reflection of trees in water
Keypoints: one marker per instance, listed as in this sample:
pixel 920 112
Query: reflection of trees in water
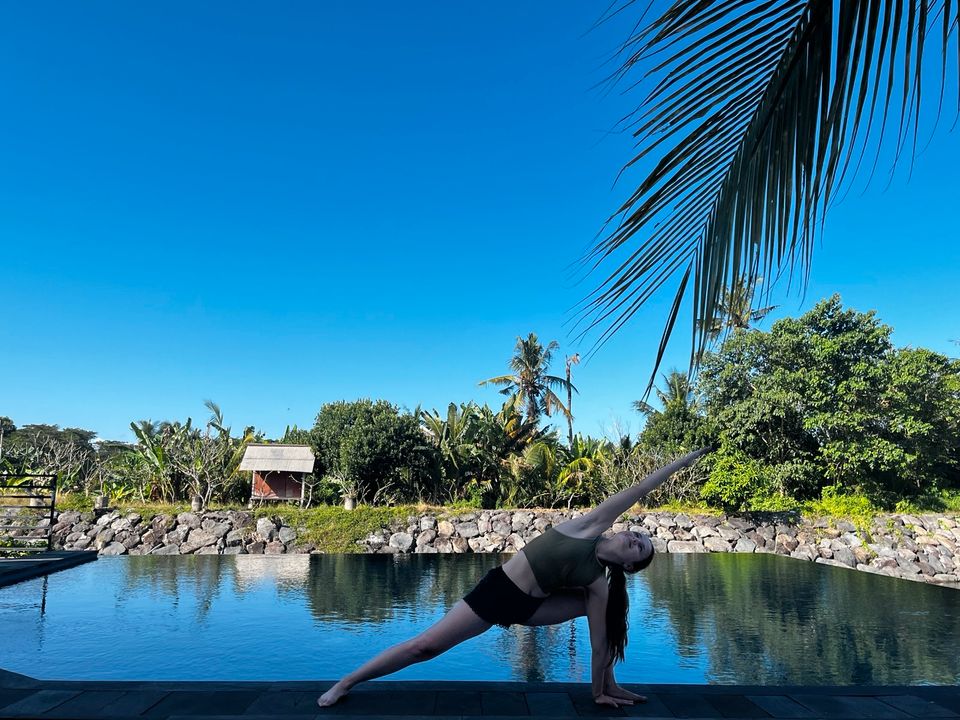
pixel 173 577
pixel 764 619
pixel 372 588
pixel 535 654
pixel 755 618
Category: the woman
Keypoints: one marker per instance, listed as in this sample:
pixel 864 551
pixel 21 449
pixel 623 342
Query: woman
pixel 569 571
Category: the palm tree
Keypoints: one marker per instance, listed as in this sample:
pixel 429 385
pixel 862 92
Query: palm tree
pixel 530 380
pixel 735 311
pixel 678 393
pixel 758 114
pixel 571 360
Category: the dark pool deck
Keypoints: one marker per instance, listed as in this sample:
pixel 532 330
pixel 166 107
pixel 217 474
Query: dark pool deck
pixel 23 697
pixel 17 569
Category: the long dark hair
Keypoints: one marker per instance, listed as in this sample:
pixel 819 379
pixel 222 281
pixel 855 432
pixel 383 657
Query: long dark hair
pixel 618 605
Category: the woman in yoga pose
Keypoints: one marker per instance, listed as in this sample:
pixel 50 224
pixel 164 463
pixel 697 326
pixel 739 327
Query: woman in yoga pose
pixel 569 571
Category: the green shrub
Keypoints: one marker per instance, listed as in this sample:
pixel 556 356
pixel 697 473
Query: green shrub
pixel 835 503
pixel 775 502
pixel 951 500
pixel 943 501
pixel 736 480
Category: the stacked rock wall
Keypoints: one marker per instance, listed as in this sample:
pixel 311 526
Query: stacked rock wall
pixel 920 548
pixel 209 533
pixel 915 548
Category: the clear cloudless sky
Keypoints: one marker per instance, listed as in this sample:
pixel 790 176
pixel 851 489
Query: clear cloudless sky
pixel 278 205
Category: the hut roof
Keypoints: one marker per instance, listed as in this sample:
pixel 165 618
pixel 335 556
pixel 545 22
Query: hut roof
pixel 289 458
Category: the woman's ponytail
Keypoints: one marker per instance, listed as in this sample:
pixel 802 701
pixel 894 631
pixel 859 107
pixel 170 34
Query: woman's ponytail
pixel 617 606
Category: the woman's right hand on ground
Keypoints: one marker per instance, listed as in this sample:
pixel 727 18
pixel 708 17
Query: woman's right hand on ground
pixel 603 699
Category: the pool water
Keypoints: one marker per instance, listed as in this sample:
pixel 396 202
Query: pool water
pixel 718 618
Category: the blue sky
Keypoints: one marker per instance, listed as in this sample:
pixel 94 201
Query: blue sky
pixel 276 207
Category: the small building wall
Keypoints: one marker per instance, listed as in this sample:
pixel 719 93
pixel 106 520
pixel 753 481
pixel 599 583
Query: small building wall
pixel 276 485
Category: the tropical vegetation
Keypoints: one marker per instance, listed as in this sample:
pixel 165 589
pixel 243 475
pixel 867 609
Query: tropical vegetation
pixel 821 410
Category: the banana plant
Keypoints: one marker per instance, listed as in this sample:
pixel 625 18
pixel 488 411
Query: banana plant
pixel 157 445
pixel 579 469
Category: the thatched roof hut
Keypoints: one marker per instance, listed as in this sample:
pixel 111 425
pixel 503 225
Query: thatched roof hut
pixel 278 470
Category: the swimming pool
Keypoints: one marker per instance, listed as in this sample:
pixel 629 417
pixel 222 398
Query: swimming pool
pixel 718 618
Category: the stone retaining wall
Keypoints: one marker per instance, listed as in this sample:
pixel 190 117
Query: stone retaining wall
pixel 914 548
pixel 920 548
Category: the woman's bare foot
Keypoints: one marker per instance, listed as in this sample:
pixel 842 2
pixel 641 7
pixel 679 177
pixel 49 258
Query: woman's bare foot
pixel 331 696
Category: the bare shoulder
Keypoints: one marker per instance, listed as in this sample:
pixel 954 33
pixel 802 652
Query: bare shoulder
pixel 587 526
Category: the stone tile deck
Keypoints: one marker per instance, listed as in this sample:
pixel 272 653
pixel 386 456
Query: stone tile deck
pixel 23 697
pixel 16 569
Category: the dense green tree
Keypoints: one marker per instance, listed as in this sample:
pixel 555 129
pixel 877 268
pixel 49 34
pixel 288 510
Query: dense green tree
pixel 825 399
pixel 503 438
pixel 530 380
pixel 7 429
pixel 920 409
pixel 737 481
pixel 7 426
pixel 68 453
pixel 680 423
pixel 377 450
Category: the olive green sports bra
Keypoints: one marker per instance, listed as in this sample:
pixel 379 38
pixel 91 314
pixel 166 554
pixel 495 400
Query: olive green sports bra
pixel 558 560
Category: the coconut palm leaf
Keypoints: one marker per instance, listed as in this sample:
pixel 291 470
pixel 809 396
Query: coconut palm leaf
pixel 759 113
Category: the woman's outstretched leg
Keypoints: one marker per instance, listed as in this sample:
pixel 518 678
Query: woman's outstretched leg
pixel 459 624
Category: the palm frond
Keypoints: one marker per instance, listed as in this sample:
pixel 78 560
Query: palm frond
pixel 643 407
pixel 499 380
pixel 760 112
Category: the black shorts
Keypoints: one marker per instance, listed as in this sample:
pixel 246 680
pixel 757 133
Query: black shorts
pixel 498 601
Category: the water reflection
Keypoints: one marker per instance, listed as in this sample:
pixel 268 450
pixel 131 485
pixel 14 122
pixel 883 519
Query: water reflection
pixel 375 588
pixel 701 618
pixel 768 620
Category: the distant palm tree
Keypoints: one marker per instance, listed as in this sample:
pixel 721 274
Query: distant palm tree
pixel 677 393
pixel 530 380
pixel 758 114
pixel 571 360
pixel 735 311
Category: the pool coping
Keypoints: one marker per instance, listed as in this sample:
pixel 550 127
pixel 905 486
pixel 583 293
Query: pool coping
pixel 25 697
pixel 18 569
